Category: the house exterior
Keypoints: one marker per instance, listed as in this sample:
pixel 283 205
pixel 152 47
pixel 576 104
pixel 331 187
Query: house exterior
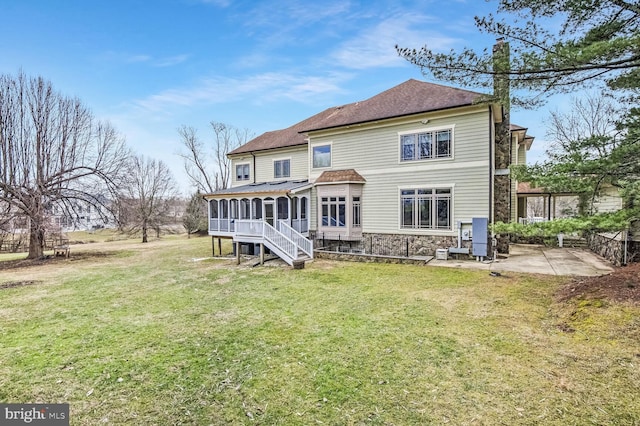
pixel 415 164
pixel 536 204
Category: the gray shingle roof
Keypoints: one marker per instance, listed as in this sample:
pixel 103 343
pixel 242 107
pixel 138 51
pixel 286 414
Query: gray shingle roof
pixel 410 97
pixel 277 187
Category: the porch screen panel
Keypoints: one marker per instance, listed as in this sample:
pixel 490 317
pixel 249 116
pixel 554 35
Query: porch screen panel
pixel 245 209
pixel 224 209
pixel 294 208
pixel 283 208
pixel 303 208
pixel 257 208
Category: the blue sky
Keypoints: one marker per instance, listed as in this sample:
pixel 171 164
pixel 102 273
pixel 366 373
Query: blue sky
pixel 151 66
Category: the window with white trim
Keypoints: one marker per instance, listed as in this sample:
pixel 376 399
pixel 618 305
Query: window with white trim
pixel 426 145
pixel 425 208
pixel 242 171
pixel 334 211
pixel 357 208
pixel 321 156
pixel 281 168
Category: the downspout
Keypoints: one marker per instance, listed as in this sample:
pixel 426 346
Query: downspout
pixel 254 166
pixel 491 164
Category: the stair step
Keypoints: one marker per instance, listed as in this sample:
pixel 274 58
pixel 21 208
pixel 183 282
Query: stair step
pixel 575 243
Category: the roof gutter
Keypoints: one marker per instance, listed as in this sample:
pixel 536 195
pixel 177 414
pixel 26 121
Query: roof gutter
pixel 377 120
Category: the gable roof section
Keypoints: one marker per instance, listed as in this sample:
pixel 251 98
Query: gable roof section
pixel 284 138
pixel 523 137
pixel 410 97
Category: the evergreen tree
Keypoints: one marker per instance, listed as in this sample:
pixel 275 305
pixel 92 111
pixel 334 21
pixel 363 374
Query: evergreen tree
pixel 598 40
pixel 195 215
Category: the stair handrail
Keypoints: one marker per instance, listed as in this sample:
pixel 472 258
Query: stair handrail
pixel 304 244
pixel 285 244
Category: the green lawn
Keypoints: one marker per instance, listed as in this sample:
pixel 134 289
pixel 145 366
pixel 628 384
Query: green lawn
pixel 143 334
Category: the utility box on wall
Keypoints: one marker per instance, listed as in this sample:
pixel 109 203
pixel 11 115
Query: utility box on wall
pixel 466 233
pixel 480 232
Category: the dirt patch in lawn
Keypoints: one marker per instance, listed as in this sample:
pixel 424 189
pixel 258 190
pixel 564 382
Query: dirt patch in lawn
pixel 13 284
pixel 52 260
pixel 623 285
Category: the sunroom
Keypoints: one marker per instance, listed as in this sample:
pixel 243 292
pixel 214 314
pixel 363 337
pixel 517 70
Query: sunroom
pixel 275 203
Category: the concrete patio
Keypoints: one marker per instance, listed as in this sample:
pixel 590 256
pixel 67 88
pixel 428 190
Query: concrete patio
pixel 540 260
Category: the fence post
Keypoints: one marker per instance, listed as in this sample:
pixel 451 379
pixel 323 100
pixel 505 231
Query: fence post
pixel 407 243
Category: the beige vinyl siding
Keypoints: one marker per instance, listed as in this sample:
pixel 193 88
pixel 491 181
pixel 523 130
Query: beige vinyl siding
pixel 522 154
pixel 264 164
pixel 374 152
pixel 608 201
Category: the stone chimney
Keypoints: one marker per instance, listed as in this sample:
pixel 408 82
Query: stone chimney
pixel 502 148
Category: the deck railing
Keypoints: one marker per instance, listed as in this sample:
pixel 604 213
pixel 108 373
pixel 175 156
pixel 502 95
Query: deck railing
pixel 280 240
pixel 303 243
pixel 254 228
pixel 222 225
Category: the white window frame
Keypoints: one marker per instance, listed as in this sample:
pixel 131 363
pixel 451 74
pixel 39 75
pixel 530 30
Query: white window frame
pixel 433 131
pixel 335 204
pixel 281 160
pixel 356 211
pixel 433 228
pixel 242 177
pixel 313 147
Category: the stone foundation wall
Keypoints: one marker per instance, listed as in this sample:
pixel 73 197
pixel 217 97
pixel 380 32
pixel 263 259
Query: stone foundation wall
pixel 365 258
pixel 393 245
pixel 611 247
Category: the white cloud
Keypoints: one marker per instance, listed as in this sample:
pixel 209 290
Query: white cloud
pixel 142 58
pixel 256 89
pixel 171 60
pixel 375 46
pixel 219 3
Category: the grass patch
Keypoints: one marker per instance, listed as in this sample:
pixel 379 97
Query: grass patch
pixel 154 337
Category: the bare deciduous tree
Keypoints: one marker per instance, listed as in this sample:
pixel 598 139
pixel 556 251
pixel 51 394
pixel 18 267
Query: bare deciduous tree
pixel 208 167
pixel 146 198
pixel 52 151
pixel 594 116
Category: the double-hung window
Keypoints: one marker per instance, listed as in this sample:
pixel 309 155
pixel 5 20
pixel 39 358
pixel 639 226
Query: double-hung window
pixel 426 145
pixel 281 168
pixel 426 208
pixel 242 171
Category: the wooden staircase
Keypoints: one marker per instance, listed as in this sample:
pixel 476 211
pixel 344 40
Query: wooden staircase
pixel 285 242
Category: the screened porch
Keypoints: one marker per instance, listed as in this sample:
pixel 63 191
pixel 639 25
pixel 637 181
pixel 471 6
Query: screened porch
pixel 225 212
